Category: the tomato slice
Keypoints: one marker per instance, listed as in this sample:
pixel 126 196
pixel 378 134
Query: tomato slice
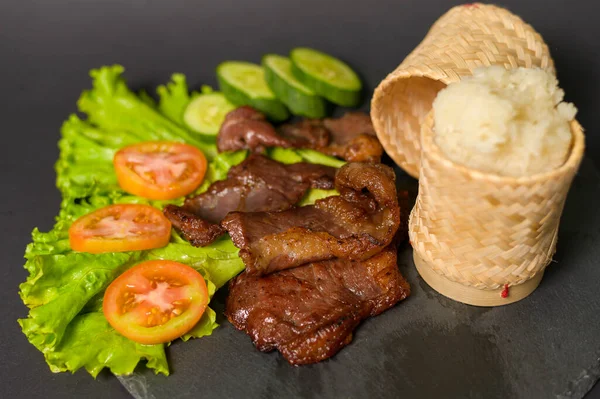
pixel 118 228
pixel 156 301
pixel 159 170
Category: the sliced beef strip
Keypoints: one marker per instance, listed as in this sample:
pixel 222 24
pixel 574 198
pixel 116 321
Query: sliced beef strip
pixel 350 125
pixel 351 137
pixel 260 184
pixel 362 148
pixel 307 133
pixel 309 313
pixel 355 225
pixel 197 231
pixel 247 128
pixel 257 184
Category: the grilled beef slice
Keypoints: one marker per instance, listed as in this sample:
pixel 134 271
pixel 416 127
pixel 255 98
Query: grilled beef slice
pixel 355 225
pixel 256 184
pixel 351 137
pixel 247 128
pixel 309 313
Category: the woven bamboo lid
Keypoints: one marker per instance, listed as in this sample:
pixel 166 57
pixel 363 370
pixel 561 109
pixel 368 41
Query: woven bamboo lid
pixel 463 39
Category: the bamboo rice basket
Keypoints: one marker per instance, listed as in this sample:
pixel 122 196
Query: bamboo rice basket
pixel 475 233
pixel 463 39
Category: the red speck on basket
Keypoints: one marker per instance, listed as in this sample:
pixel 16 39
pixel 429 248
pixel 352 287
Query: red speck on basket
pixel 471 5
pixel 504 292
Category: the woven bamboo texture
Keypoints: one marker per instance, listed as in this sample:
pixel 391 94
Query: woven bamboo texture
pixel 463 39
pixel 484 230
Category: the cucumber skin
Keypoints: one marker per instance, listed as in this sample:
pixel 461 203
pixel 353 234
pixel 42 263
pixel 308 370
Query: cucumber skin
pixel 273 108
pixel 299 103
pixel 345 98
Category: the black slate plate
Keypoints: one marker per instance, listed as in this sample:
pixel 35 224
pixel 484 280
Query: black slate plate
pixel 426 347
pixel 547 345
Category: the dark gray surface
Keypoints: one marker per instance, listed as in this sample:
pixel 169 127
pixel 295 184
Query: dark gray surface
pixel 429 346
pixel 543 347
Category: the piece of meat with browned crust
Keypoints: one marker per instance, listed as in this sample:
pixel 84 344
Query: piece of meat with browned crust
pixel 350 137
pixel 355 225
pixel 256 184
pixel 362 148
pixel 348 126
pixel 247 128
pixel 353 138
pixel 260 184
pixel 197 231
pixel 307 133
pixel 309 313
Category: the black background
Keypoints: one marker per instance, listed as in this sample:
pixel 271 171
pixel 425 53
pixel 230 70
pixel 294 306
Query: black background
pixel 48 47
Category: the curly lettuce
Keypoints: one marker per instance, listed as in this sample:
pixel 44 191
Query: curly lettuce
pixel 90 342
pixel 64 289
pixel 63 284
pixel 111 105
pixel 174 98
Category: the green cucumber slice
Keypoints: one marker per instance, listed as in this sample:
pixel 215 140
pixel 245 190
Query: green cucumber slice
pixel 243 83
pixel 300 99
pixel 206 112
pixel 317 157
pixel 327 76
pixel 315 194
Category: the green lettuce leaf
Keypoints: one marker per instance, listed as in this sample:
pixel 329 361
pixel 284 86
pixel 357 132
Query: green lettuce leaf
pixel 62 287
pixel 218 262
pixel 61 282
pixel 111 106
pixel 90 342
pixel 85 164
pixel 85 167
pixel 64 284
pixel 174 97
pixel 207 323
pixel 205 326
pixel 64 290
pixel 147 98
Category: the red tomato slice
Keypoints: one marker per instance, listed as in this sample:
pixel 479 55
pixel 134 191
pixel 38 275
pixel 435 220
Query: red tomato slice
pixel 159 170
pixel 118 228
pixel 156 301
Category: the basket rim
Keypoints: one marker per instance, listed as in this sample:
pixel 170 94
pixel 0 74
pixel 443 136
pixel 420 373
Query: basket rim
pixel 377 101
pixel 572 162
pixel 409 68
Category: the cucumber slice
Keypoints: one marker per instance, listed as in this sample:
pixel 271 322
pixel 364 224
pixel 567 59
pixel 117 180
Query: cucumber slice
pixel 327 76
pixel 206 112
pixel 284 155
pixel 243 83
pixel 315 194
pixel 299 98
pixel 317 157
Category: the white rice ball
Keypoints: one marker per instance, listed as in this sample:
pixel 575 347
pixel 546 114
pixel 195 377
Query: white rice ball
pixel 506 122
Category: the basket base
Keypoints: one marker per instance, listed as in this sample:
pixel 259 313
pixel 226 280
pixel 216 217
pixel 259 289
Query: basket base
pixel 470 295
